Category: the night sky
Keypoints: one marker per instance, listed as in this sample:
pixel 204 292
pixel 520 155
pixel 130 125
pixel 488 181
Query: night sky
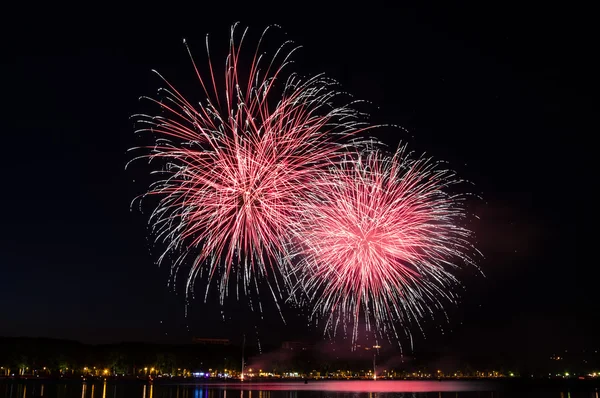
pixel 485 88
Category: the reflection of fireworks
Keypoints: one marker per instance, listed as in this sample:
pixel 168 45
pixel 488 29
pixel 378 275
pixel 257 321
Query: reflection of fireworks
pixel 236 162
pixel 379 238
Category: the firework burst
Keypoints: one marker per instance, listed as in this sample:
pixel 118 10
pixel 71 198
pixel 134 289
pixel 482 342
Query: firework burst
pixel 379 240
pixel 231 168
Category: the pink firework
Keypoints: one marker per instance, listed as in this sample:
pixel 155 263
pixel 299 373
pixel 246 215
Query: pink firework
pixel 378 241
pixel 234 165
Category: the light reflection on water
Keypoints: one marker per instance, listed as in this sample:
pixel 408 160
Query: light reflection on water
pixel 330 389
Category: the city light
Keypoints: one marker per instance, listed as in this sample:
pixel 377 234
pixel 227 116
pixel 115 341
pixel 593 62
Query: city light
pixel 256 373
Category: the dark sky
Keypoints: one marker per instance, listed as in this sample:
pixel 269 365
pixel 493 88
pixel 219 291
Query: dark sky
pixel 487 88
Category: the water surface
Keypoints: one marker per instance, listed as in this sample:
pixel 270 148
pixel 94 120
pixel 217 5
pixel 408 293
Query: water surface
pixel 313 389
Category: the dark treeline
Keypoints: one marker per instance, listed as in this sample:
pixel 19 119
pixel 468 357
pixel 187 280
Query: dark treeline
pixel 28 354
pixel 122 358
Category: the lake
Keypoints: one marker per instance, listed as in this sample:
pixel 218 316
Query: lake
pixel 313 389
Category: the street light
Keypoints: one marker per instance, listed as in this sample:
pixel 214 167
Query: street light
pixel 374 363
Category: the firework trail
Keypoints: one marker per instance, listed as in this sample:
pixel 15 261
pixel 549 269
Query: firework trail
pixel 231 168
pixel 378 240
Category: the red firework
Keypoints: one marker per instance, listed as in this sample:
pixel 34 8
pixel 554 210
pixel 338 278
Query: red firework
pixel 235 164
pixel 378 240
